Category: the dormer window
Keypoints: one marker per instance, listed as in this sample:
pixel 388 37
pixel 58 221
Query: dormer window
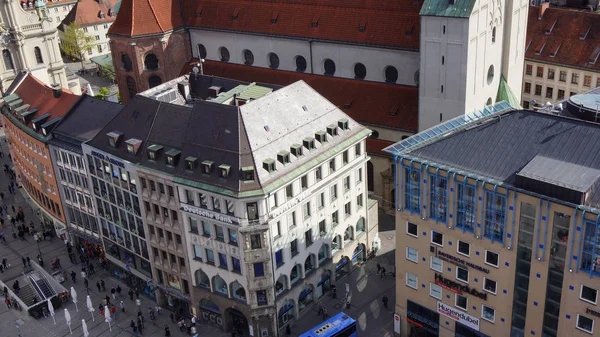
pixel 309 143
pixel 190 163
pixel 296 150
pixel 321 136
pixel 101 15
pixel 172 157
pixel 332 130
pixel 114 138
pixel 154 152
pixel 269 165
pixel 207 167
pixel 248 173
pixel 224 171
pixel 343 124
pixel 283 157
pixel 133 145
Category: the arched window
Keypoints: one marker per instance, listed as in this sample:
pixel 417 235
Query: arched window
pixel 391 74
pixel 295 275
pixel 336 244
pixel 224 54
pixel 493 34
pixel 300 64
pixel 370 176
pixel 360 225
pixel 126 61
pixel 349 234
pixel 309 264
pixel 238 292
pixel 201 51
pixel 154 81
pixel 151 62
pixel 273 60
pixel 38 55
pixel 219 285
pixel 329 66
pixel 8 62
pixel 131 87
pixel 490 74
pixel 323 253
pixel 248 57
pixel 360 71
pixel 280 285
pixel 202 279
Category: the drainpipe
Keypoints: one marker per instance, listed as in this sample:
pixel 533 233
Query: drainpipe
pixel 580 239
pixel 546 229
pixel 512 235
pixel 537 231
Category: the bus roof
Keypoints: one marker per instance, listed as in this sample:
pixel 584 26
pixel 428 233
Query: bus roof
pixel 330 326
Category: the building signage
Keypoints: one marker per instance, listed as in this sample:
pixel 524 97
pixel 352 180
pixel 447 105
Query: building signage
pixel 108 159
pixel 210 214
pixel 463 262
pixel 592 312
pixel 289 204
pixel 459 316
pixel 457 287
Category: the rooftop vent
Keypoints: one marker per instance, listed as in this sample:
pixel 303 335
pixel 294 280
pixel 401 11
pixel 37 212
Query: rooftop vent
pixel 37 122
pixel 584 33
pixel 101 15
pixel 321 136
pixel 114 137
pixel 190 163
pixel 540 47
pixel 167 96
pixel 224 171
pixel 594 56
pixel 296 150
pixel 309 143
pixel 269 165
pixel 248 173
pixel 133 145
pixel 214 91
pixel 184 90
pixel 332 130
pixel 47 127
pixel 551 27
pixel 343 124
pixel 25 116
pixel 283 157
pixel 56 90
pixel 154 151
pixel 555 51
pixel 207 166
pixel 21 109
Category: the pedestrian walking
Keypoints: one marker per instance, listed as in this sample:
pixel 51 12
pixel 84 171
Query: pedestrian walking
pixel 378 268
pixel 382 272
pixel 28 261
pixel 113 292
pixel 385 301
pixel 137 293
pixel 107 298
pixel 13 208
pixel 167 331
pixel 140 327
pixel 98 286
pixel 103 285
pixel 172 315
pixel 325 314
pixel 138 303
pixel 130 294
pixel 113 312
pixel 118 286
pixel 24 262
pixel 122 305
pixel 180 324
pixel 7 301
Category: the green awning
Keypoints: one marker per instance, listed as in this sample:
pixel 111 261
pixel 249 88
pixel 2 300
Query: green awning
pixel 104 61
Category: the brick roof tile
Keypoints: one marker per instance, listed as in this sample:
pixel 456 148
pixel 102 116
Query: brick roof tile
pixel 87 12
pixel 568 37
pixel 373 103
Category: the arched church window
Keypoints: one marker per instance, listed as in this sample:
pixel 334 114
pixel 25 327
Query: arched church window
pixel 126 61
pixel 153 81
pixel 8 62
pixel 38 55
pixel 151 62
pixel 131 87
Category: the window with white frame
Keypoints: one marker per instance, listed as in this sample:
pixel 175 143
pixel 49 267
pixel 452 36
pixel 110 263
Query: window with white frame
pixel 463 248
pixel 412 280
pixel 492 258
pixel 585 323
pixel 435 291
pixel 488 313
pixel 588 294
pixel 461 301
pixel 412 255
pixel 437 238
pixel 489 285
pixel 436 264
pixel 462 274
pixel 412 229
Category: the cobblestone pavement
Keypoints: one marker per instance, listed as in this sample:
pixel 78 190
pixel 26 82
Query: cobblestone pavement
pixel 15 323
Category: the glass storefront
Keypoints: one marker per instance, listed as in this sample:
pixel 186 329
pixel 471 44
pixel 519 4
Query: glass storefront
pixel 342 268
pixel 461 330
pixel 286 313
pixel 210 312
pixel 324 285
pixel 422 322
pixel 305 298
pixel 132 281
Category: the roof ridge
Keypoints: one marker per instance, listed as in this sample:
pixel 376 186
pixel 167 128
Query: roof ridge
pixel 155 17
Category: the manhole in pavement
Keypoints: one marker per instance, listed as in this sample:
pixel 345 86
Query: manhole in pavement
pixel 337 306
pixel 20 321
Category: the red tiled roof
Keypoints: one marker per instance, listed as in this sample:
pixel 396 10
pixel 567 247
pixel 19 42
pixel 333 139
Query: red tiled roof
pixel 374 103
pixel 374 146
pixel 87 12
pixel 144 17
pixel 386 23
pixel 563 36
pixel 40 96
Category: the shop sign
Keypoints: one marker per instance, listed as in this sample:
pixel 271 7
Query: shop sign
pixel 289 204
pixel 462 262
pixel 173 293
pixel 108 159
pixel 210 214
pixel 457 287
pixel 459 316
pixel 592 312
pixel 422 322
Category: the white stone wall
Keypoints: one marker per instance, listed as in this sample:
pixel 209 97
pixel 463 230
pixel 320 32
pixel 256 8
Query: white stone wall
pixel 345 56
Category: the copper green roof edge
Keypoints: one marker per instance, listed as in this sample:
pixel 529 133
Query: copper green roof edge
pixel 105 61
pixel 24 128
pixel 505 93
pixel 281 181
pixel 460 8
pixel 222 97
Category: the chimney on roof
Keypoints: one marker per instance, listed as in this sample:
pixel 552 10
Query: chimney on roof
pixel 56 90
pixel 542 9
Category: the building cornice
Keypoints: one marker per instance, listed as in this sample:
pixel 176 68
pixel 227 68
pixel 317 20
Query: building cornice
pixel 564 65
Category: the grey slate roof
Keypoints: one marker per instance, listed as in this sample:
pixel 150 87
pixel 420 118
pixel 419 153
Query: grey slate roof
pixel 504 146
pixel 86 118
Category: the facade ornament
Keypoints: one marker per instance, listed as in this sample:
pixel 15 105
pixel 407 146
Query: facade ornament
pixel 495 13
pixel 5 37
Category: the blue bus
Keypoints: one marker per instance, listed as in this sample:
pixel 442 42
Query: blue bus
pixel 340 325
